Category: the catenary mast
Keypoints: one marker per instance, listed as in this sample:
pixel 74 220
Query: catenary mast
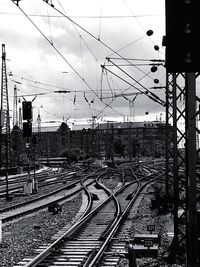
pixel 5 119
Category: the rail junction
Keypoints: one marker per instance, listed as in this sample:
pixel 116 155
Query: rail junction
pixel 98 237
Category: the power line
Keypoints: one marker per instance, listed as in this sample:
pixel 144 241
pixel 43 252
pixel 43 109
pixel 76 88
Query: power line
pixel 84 81
pixel 107 105
pixel 161 101
pixel 95 37
pixel 150 95
pixel 54 86
pixel 79 17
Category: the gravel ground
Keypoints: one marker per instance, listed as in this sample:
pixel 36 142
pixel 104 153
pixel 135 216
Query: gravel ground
pixel 22 237
pixel 145 216
pixel 21 198
pixel 111 182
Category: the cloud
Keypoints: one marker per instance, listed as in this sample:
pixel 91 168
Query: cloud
pixel 32 57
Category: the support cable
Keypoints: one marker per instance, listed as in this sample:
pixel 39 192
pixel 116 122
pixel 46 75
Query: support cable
pixel 154 95
pixel 107 105
pixel 51 40
pixel 89 33
pixel 46 1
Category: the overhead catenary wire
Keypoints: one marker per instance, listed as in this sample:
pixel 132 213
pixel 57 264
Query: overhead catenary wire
pixel 130 85
pixel 137 59
pixel 94 38
pixel 129 44
pixel 152 96
pixel 53 86
pixel 133 15
pixel 54 47
pixel 65 58
pixel 89 33
pixel 107 105
pixel 80 17
pixel 97 40
pixel 51 40
pixel 80 36
pixel 138 82
pixel 109 85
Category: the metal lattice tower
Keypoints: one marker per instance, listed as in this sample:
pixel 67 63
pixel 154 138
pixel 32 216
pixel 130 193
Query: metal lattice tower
pixel 181 110
pixel 5 122
pixel 39 132
pixel 39 124
pixel 20 118
pixel 15 111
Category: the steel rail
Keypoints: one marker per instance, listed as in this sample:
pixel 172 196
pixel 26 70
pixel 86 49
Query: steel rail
pixel 117 225
pixel 43 181
pixel 33 209
pixel 44 254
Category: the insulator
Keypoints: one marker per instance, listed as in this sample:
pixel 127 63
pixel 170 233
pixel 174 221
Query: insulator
pixel 149 32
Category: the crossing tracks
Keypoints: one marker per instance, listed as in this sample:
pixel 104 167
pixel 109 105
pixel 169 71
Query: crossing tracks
pixel 41 202
pixel 99 236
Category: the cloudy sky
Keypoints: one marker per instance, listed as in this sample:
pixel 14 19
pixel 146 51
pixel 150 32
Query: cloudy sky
pixel 64 47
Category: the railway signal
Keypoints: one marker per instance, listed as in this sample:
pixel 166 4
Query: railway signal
pixel 182 65
pixel 27 133
pixel 27 110
pixel 182 31
pixel 27 129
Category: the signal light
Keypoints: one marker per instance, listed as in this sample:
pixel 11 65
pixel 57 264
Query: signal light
pixel 182 31
pixel 27 129
pixel 27 110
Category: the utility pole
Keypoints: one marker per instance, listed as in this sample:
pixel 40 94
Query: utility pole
pixel 20 118
pixel 39 132
pixel 5 120
pixel 27 133
pixel 15 111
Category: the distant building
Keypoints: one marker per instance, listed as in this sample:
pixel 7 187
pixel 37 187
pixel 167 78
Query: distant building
pixel 127 139
pixel 148 138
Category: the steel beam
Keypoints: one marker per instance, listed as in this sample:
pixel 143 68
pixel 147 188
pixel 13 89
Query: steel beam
pixel 181 103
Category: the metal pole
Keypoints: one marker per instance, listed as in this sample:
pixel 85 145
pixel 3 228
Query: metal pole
pixel 34 177
pixel 7 163
pixel 175 161
pixel 7 188
pixel 131 256
pixel 28 153
pixel 191 170
pixel 167 137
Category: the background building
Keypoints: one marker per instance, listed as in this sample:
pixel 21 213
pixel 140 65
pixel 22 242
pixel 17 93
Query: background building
pixel 127 139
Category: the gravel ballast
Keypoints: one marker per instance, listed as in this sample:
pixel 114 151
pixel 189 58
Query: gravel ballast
pixel 22 237
pixel 144 216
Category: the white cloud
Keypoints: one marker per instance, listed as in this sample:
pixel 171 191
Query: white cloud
pixel 32 57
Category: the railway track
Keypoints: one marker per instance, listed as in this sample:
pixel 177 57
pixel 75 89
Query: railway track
pixel 59 195
pixel 44 178
pixel 56 196
pixel 90 239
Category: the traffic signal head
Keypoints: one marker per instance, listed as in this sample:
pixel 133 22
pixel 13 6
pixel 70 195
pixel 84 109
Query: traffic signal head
pixel 182 35
pixel 27 110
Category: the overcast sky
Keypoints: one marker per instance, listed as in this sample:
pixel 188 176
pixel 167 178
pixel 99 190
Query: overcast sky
pixel 62 55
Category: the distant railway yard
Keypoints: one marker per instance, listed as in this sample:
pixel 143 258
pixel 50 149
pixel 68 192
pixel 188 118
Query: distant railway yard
pixel 102 216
